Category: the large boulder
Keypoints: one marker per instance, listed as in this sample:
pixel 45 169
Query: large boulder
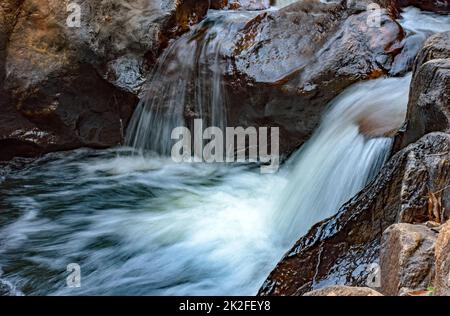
pixel 407 258
pixel 345 249
pixel 288 64
pixel 429 102
pixel 442 253
pixel 64 86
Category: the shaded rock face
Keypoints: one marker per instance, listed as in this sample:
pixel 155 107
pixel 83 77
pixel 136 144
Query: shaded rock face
pixel 65 87
pixel 442 253
pixel 343 249
pixel 429 103
pixel 407 258
pixel 344 291
pixel 287 65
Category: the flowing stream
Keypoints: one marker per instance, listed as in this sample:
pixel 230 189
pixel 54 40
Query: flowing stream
pixel 143 225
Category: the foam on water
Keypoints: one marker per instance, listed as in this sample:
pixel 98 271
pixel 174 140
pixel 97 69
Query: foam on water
pixel 146 225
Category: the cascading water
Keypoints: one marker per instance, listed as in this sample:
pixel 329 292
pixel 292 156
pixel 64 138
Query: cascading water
pixel 339 159
pixel 151 226
pixel 146 225
pixel 186 83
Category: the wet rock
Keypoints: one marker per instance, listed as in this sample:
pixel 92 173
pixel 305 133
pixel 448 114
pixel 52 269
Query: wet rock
pixel 67 86
pixel 286 78
pixel 345 249
pixel 240 4
pixel 407 258
pixel 442 253
pixel 404 62
pixel 437 46
pixel 344 291
pixel 438 6
pixel 429 102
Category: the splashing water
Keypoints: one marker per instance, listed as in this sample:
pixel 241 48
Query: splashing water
pixel 339 160
pixel 186 83
pixel 146 225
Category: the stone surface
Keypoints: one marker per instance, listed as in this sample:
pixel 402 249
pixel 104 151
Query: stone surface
pixel 65 87
pixel 286 79
pixel 442 253
pixel 407 258
pixel 429 102
pixel 438 6
pixel 240 4
pixel 344 291
pixel 343 249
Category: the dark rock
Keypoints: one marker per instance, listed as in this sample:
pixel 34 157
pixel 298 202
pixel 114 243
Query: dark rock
pixel 407 259
pixel 429 101
pixel 67 87
pixel 343 249
pixel 286 78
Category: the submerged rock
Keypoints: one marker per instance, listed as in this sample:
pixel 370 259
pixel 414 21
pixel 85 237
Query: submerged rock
pixel 345 249
pixel 64 86
pixel 288 64
pixel 407 258
pixel 340 290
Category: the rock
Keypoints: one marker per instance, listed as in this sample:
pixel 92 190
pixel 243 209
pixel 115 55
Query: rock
pixel 436 46
pixel 240 4
pixel 404 62
pixel 344 291
pixel 442 253
pixel 286 79
pixel 407 259
pixel 438 6
pixel 429 102
pixel 345 249
pixel 68 87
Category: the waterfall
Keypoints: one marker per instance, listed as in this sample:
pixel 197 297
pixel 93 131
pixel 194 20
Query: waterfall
pixel 186 83
pixel 139 225
pixel 344 154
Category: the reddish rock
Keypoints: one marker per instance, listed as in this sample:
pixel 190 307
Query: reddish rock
pixel 286 78
pixel 70 87
pixel 407 258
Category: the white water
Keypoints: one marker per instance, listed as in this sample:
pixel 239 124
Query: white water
pixel 186 82
pixel 145 225
pixel 338 160
pixel 423 22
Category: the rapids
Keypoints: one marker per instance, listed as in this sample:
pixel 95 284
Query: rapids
pixel 139 224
